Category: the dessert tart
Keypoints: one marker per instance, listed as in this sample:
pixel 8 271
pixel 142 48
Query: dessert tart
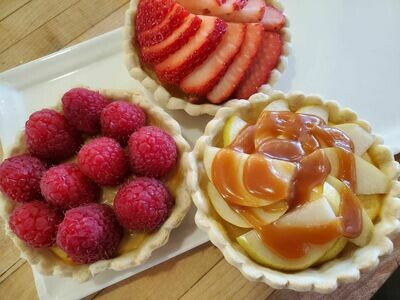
pixel 197 55
pixel 127 241
pixel 296 192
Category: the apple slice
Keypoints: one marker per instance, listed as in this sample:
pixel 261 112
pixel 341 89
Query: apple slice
pixel 370 180
pixel 283 171
pixel 367 225
pixel 273 19
pixel 315 110
pixel 333 197
pixel 232 128
pixel 314 213
pixel 182 62
pixel 241 63
pixel 334 251
pixel 277 105
pixel 265 61
pixel 270 213
pixel 174 19
pixel 206 76
pixel 159 52
pixel 224 210
pixel 372 205
pixel 362 139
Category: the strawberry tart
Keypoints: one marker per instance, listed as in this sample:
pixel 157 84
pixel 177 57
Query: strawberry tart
pixel 96 183
pixel 198 55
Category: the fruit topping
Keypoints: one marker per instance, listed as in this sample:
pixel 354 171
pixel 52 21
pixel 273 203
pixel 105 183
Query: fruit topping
pixel 143 204
pixel 159 52
pixel 299 184
pixel 20 177
pixel 82 108
pixel 104 161
pixel 35 223
pixel 273 19
pixel 65 186
pixel 152 152
pixel 159 33
pixel 241 63
pixel 50 137
pixel 207 58
pixel 263 64
pixel 89 233
pixel 179 64
pixel 151 13
pixel 204 77
pixel 120 119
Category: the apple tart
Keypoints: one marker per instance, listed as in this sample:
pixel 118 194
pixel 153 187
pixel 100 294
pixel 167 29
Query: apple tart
pixel 296 192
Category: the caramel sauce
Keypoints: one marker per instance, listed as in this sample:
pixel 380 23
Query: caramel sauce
pixel 351 214
pixel 303 136
pixel 260 180
pixel 245 140
pixel 312 171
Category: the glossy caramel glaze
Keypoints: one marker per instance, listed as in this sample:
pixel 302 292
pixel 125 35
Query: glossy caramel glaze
pixel 244 177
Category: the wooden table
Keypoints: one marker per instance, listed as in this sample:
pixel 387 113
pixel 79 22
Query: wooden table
pixel 30 29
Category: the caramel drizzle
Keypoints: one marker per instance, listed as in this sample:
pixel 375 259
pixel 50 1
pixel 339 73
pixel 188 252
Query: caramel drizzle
pixel 295 138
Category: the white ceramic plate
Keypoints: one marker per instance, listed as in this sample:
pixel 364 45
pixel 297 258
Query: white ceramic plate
pixel 343 50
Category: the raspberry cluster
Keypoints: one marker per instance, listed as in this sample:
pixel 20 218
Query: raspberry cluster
pixel 59 205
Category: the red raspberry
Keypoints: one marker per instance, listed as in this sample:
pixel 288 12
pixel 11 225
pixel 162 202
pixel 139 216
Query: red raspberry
pixel 103 160
pixel 152 152
pixel 82 108
pixel 35 223
pixel 143 204
pixel 50 137
pixel 120 119
pixel 89 233
pixel 65 187
pixel 20 177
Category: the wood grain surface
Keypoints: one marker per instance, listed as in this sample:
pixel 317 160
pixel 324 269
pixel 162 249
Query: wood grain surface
pixel 30 29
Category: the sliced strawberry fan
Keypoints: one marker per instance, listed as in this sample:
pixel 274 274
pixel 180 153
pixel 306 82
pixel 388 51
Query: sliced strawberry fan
pixel 194 50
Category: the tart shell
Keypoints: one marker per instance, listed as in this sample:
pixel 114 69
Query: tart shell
pixel 47 263
pixel 161 94
pixel 324 278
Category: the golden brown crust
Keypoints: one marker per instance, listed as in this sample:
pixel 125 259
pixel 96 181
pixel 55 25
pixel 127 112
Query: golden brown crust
pixel 47 263
pixel 161 94
pixel 323 279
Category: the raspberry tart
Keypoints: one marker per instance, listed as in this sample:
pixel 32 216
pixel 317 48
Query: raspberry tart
pixel 80 196
pixel 296 192
pixel 198 55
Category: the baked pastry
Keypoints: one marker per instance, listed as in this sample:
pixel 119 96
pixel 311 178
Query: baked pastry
pixel 197 55
pixel 296 192
pixel 100 208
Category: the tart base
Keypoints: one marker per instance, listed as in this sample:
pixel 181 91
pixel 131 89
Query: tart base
pixel 161 94
pixel 326 277
pixel 48 263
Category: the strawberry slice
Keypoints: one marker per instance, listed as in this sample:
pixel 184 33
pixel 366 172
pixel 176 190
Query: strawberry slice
pixel 251 12
pixel 157 53
pixel 150 13
pixel 239 4
pixel 209 7
pixel 204 77
pixel 266 60
pixel 179 64
pixel 228 83
pixel 172 21
pixel 273 19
